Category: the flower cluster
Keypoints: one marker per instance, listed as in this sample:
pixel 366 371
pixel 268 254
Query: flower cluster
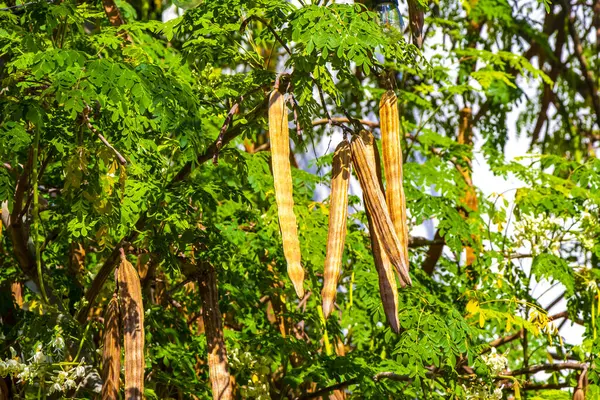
pixel 65 380
pixel 497 363
pixel 41 366
pixel 482 392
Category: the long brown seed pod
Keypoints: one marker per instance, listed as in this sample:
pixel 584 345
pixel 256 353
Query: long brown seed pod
pixel 388 289
pixel 336 236
pixel 279 137
pixel 111 354
pixel 578 395
pixel 376 206
pixel 132 313
pixel 392 162
pixel 217 353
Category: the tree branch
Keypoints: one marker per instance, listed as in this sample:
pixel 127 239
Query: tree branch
pixel 114 17
pixel 370 124
pixel 547 367
pixel 377 377
pixel 433 254
pixel 324 391
pixel 86 119
pixel 110 262
pixel 585 70
pixel 507 339
pixel 269 27
pixel 418 241
pixel 219 143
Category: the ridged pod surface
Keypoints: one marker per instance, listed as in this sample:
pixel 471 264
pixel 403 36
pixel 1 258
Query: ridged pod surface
pixel 338 213
pixel 132 313
pixel 4 392
pixel 111 354
pixel 388 289
pixel 280 155
pixel 392 165
pixel 218 370
pixel 376 206
pixel 578 395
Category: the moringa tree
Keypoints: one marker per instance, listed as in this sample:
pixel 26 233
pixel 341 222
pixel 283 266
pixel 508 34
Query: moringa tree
pixel 126 138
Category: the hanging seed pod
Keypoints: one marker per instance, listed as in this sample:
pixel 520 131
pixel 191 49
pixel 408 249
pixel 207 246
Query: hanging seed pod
pixel 578 395
pixel 336 236
pixel 280 155
pixel 392 162
pixel 218 370
pixel 111 354
pixel 376 206
pixel 132 313
pixel 388 289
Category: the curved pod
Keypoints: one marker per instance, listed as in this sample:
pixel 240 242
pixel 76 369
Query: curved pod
pixel 376 206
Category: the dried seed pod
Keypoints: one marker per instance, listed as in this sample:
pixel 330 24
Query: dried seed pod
pixel 578 395
pixel 392 163
pixel 280 154
pixel 4 392
pixel 218 372
pixel 388 289
pixel 376 206
pixel 132 313
pixel 111 354
pixel 338 213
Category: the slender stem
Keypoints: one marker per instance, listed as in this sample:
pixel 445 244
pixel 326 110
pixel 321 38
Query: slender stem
pixel 422 125
pixel 350 291
pixel 269 27
pixel 87 328
pixel 326 341
pixel 36 212
pixel 323 121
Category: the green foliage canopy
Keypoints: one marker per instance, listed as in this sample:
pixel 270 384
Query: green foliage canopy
pixel 115 127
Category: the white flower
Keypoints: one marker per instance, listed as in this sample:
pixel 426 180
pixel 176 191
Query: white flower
pixel 63 375
pixel 497 394
pixel 25 374
pixel 80 371
pixel 58 343
pixel 70 384
pixel 39 357
pixel 496 362
pixel 13 366
pixel 55 388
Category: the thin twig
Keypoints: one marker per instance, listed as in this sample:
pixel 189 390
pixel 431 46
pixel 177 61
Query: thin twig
pixel 507 339
pixel 295 107
pixel 418 241
pixel 330 120
pixel 555 301
pixel 547 367
pixel 323 104
pixel 365 122
pixel 321 392
pixel 219 143
pixel 88 123
pixel 269 27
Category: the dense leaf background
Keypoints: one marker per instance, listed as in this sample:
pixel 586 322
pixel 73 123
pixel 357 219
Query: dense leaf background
pixel 159 93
